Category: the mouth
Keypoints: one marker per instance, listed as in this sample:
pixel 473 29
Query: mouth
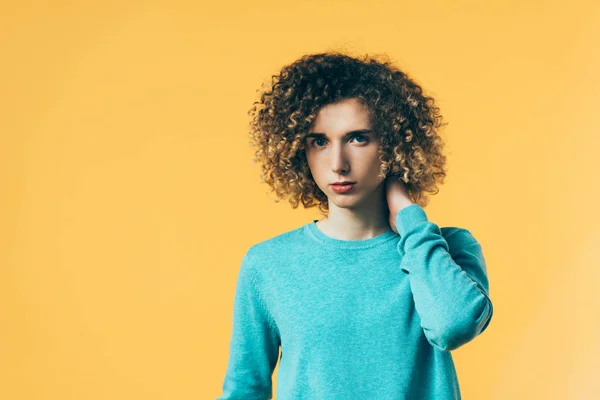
pixel 343 183
pixel 342 188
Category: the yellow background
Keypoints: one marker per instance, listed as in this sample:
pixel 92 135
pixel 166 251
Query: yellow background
pixel 129 198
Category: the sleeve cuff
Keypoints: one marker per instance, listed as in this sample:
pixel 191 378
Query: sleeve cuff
pixel 408 217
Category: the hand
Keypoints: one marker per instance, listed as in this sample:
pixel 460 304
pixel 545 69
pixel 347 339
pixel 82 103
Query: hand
pixel 397 198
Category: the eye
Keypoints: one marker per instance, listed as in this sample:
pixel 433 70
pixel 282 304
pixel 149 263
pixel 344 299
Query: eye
pixel 366 140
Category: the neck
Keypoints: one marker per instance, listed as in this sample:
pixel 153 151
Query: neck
pixel 363 221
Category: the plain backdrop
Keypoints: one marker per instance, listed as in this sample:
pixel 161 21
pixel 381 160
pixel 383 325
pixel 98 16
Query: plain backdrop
pixel 128 196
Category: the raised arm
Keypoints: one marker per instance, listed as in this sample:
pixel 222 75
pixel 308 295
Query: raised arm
pixel 448 279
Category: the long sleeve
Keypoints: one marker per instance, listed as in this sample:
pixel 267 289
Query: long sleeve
pixel 254 343
pixel 448 279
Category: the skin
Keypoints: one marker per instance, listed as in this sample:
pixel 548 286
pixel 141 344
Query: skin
pixel 369 209
pixel 397 198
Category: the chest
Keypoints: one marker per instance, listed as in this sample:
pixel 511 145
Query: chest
pixel 350 303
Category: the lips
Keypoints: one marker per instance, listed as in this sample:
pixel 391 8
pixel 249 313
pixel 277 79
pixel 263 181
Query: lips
pixel 338 188
pixel 343 183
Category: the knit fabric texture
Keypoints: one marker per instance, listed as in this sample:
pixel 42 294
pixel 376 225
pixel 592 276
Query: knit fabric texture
pixel 372 319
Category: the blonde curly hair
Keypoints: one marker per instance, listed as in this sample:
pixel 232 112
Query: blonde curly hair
pixel 406 121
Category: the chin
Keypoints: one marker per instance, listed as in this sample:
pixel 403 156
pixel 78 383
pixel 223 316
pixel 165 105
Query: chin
pixel 345 200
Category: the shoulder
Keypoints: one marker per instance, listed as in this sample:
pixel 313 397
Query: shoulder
pixel 461 242
pixel 457 236
pixel 464 248
pixel 273 249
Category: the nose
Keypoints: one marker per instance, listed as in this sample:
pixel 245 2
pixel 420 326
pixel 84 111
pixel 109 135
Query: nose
pixel 339 161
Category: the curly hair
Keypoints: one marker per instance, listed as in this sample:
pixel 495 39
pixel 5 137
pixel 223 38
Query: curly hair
pixel 406 120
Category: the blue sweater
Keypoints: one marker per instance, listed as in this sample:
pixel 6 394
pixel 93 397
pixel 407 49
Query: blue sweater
pixel 368 319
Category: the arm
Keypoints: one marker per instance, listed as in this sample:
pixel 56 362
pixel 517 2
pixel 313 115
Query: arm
pixel 254 343
pixel 448 279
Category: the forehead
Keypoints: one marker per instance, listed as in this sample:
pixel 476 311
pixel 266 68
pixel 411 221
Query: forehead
pixel 341 116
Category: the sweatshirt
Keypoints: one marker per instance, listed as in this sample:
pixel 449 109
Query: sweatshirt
pixel 372 319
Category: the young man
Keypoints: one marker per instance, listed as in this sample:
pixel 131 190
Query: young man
pixel 368 302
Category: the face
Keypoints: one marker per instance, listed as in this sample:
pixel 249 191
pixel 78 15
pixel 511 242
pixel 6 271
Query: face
pixel 340 146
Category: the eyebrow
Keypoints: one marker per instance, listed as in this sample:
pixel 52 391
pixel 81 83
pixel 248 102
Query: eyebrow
pixel 351 133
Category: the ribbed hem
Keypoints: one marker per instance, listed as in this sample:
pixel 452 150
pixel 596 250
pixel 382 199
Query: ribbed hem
pixel 315 233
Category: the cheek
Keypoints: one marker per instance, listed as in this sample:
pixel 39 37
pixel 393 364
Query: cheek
pixel 315 169
pixel 375 163
pixel 374 169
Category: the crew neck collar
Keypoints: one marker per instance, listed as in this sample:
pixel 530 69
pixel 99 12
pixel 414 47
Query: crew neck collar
pixel 315 233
